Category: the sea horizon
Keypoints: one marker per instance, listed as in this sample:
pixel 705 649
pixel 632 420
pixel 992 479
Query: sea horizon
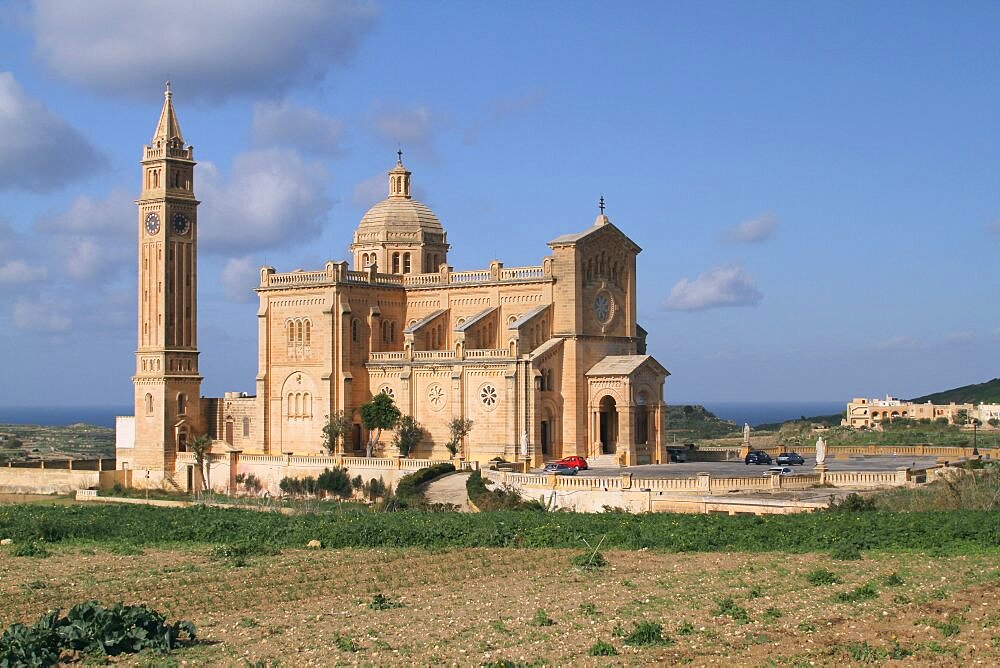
pixel 752 412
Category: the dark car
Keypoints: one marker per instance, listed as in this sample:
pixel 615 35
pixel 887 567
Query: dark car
pixel 793 458
pixel 757 457
pixel 677 455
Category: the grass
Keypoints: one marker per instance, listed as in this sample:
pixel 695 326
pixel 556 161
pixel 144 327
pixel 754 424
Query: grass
pixel 822 576
pixel 954 532
pixel 865 592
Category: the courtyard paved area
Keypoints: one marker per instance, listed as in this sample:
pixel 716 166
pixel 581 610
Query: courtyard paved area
pixel 739 469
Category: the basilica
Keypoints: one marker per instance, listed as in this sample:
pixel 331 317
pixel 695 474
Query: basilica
pixel 546 360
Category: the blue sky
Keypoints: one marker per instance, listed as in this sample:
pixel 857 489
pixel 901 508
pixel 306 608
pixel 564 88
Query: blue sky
pixel 814 185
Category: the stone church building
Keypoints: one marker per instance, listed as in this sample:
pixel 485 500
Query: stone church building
pixel 550 352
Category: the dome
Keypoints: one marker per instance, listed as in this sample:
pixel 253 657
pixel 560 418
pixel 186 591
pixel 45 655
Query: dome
pixel 400 212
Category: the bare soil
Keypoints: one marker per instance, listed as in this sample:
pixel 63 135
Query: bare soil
pixel 479 606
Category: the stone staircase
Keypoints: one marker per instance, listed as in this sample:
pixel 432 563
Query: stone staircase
pixel 603 461
pixel 171 484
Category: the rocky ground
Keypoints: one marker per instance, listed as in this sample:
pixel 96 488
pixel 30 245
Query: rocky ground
pixel 478 606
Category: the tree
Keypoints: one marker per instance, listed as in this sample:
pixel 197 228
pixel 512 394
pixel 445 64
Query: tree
pixel 378 414
pixel 962 417
pixel 409 433
pixel 334 481
pixel 335 429
pixel 200 447
pixel 459 428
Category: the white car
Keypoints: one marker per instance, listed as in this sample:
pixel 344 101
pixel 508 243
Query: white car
pixel 779 470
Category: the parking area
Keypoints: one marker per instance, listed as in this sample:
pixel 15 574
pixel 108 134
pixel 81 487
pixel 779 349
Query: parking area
pixel 739 469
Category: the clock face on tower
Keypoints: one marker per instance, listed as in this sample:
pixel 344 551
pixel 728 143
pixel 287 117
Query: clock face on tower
pixel 152 222
pixel 181 223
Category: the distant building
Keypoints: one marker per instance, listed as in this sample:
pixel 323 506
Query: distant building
pixel 868 413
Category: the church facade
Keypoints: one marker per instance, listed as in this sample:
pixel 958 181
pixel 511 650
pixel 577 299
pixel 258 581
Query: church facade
pixel 546 361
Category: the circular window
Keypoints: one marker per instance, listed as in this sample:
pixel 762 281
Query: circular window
pixel 435 396
pixel 386 389
pixel 489 396
pixel 604 307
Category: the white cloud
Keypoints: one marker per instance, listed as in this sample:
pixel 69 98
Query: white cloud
pixel 408 126
pixel 727 285
pixel 93 237
pixel 40 316
pixel 371 190
pixel 273 198
pixel 510 106
pixel 308 130
pixel 115 215
pixel 752 231
pixel 898 342
pixel 959 337
pixel 38 150
pixel 211 49
pixel 18 271
pixel 239 277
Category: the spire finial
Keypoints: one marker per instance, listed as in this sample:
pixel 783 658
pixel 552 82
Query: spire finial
pixel 600 205
pixel 399 156
pixel 167 92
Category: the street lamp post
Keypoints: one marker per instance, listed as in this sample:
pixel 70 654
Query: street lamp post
pixel 975 430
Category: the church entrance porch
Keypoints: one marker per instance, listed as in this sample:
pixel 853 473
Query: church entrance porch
pixel 626 410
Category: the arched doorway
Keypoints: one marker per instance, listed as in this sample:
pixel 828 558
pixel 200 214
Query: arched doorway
pixel 608 425
pixel 641 419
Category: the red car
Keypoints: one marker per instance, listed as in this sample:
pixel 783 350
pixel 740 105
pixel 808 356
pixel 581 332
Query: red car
pixel 577 462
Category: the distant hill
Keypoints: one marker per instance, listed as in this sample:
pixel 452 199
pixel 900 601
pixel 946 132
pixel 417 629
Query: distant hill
pixel 692 422
pixel 988 392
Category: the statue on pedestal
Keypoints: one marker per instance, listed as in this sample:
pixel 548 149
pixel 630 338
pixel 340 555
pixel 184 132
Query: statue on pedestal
pixel 524 445
pixel 820 452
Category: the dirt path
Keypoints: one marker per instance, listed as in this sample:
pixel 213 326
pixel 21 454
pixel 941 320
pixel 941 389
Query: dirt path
pixel 450 489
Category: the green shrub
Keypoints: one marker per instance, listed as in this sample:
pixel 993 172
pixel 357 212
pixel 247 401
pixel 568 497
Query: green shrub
pixel 845 552
pixel 685 629
pixel 30 549
pixel 646 634
pixel 773 613
pixel 862 652
pixel 853 503
pixel 334 482
pixel 893 580
pixel 91 629
pixel 865 592
pixel 601 648
pixel 345 644
pixel 410 490
pixel 589 560
pixel 497 499
pixel 727 607
pixel 542 618
pixel 382 602
pixel 821 576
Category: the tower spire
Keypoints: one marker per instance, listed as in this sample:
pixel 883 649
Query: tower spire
pixel 168 129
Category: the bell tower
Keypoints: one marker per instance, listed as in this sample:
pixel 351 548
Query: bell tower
pixel 168 411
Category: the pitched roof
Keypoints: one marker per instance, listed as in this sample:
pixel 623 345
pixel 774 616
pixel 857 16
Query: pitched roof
pixel 168 127
pixel 625 365
pixel 602 223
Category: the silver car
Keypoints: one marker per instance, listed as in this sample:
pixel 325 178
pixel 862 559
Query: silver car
pixel 560 469
pixel 779 470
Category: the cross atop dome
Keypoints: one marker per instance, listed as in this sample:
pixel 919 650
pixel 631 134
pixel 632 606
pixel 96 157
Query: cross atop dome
pixel 399 179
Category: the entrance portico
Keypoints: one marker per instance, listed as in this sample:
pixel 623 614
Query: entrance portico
pixel 626 417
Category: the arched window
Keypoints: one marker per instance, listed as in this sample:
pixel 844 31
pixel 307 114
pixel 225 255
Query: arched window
pixel 406 263
pixel 246 427
pixel 354 330
pixel 298 332
pixel 291 405
pixel 181 404
pixel 149 404
pixel 392 332
pixel 307 409
pixel 307 332
pixel 395 263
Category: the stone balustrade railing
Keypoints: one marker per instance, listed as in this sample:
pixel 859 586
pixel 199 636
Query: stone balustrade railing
pixel 337 272
pixel 487 353
pixel 389 356
pixel 704 483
